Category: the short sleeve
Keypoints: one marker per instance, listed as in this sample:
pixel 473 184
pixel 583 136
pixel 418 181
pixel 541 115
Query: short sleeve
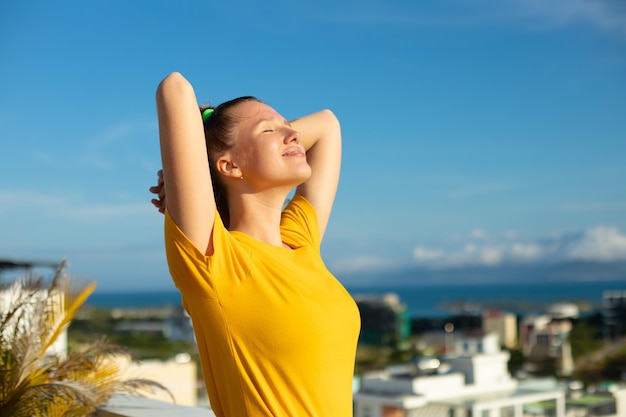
pixel 188 266
pixel 299 223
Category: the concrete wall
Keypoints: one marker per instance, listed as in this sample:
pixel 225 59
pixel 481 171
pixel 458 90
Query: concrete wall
pixel 180 378
pixel 130 406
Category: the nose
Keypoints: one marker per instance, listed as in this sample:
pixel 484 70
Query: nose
pixel 292 136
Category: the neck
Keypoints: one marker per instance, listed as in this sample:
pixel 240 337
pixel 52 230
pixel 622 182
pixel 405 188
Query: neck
pixel 258 215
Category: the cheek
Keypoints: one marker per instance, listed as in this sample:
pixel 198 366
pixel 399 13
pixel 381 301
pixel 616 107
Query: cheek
pixel 260 154
pixel 244 154
pixel 254 159
pixel 267 151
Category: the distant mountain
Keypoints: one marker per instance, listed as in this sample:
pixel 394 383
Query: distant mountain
pixel 535 273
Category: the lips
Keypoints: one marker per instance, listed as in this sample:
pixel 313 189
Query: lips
pixel 294 151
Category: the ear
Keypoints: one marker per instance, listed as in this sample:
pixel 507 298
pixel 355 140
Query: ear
pixel 227 167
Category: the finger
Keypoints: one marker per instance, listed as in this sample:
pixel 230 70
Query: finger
pixel 156 188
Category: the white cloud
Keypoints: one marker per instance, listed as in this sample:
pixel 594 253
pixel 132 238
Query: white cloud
pixel 11 200
pixel 510 234
pixel 600 243
pixel 608 15
pixel 362 264
pixel 422 254
pixel 67 207
pixel 104 212
pixel 605 15
pixel 45 158
pixel 491 256
pixel 101 149
pixel 470 254
pixel 479 234
pixel 526 251
pixel 594 207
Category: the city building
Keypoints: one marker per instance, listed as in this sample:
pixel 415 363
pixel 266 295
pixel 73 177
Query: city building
pixel 545 341
pixel 178 375
pixel 560 311
pixel 614 314
pixel 473 381
pixel 384 320
pixel 503 324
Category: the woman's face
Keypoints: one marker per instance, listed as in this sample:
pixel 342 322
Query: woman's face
pixel 267 150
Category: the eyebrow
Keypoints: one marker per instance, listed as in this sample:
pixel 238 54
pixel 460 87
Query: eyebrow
pixel 271 119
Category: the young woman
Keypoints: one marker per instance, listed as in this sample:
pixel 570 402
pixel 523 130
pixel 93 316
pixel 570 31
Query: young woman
pixel 276 332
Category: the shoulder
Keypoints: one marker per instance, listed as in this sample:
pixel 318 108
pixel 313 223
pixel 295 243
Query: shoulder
pixel 299 220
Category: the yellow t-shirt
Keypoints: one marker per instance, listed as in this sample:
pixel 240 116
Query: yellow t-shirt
pixel 276 332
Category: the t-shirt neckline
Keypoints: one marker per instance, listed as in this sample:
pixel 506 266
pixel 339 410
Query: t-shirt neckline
pixel 246 237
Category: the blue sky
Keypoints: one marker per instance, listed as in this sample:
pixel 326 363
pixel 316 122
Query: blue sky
pixel 475 133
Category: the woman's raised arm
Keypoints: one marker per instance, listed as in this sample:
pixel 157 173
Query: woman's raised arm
pixel 320 133
pixel 186 175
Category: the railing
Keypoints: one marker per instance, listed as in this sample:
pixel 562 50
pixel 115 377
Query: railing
pixel 130 406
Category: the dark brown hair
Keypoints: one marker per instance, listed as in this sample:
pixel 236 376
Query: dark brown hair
pixel 220 137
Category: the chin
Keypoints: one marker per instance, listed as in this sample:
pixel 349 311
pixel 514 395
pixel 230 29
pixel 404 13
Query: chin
pixel 299 179
pixel 304 174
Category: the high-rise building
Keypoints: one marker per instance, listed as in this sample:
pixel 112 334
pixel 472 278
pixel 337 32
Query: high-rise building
pixel 503 324
pixel 614 314
pixel 384 320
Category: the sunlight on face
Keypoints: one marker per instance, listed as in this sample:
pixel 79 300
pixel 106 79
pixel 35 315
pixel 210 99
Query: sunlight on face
pixel 268 149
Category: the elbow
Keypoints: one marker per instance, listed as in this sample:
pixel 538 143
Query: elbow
pixel 331 120
pixel 173 84
pixel 173 78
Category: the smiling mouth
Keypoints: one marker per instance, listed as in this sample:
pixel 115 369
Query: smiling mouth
pixel 294 152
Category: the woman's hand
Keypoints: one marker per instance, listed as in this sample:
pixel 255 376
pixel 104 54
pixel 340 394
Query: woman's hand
pixel 159 190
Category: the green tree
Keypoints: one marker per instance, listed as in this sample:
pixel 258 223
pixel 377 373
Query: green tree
pixel 35 379
pixel 583 341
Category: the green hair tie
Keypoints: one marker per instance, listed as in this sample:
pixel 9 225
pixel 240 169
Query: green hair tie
pixel 207 113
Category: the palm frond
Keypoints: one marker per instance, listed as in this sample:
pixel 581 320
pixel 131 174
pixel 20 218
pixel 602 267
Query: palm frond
pixel 37 381
pixel 67 300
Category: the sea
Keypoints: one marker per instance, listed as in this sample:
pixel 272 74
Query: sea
pixel 429 300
